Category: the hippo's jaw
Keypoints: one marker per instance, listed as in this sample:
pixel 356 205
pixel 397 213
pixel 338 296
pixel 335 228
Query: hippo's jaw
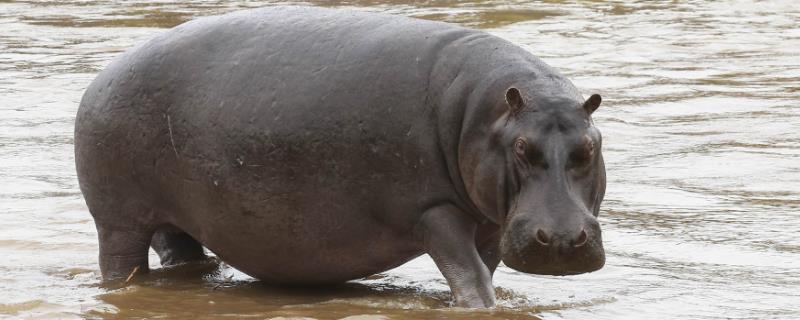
pixel 526 247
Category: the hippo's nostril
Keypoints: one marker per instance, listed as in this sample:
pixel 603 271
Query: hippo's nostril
pixel 542 237
pixel 582 238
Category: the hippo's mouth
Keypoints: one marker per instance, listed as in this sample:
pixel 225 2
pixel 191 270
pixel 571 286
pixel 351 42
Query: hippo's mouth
pixel 560 268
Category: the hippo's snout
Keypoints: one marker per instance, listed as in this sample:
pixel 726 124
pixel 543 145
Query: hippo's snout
pixel 544 238
pixel 539 247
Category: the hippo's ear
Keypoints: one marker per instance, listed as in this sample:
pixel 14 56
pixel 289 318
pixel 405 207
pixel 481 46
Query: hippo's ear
pixel 514 100
pixel 592 103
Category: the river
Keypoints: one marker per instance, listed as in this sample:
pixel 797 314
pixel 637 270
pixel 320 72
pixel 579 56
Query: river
pixel 701 125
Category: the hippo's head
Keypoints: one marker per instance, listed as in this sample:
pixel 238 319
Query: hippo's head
pixel 541 177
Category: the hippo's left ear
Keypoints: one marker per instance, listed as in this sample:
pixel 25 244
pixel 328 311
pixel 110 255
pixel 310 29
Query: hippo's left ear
pixel 592 103
pixel 514 100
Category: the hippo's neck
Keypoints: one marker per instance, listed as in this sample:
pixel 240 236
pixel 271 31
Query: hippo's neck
pixel 455 80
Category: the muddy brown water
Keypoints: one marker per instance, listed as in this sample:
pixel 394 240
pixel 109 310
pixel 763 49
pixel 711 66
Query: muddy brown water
pixel 701 119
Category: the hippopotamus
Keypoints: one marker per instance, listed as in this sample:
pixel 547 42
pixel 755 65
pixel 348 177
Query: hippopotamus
pixel 311 146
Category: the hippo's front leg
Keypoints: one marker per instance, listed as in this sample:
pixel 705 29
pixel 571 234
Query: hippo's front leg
pixel 449 236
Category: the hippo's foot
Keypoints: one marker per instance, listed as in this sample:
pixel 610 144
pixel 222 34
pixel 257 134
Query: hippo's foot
pixel 123 253
pixel 176 247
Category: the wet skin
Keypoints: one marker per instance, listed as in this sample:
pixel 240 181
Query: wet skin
pixel 314 146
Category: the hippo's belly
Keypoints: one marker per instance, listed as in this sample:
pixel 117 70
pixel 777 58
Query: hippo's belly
pixel 306 252
pixel 285 211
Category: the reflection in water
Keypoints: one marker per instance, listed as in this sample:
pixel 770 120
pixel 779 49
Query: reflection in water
pixel 217 291
pixel 702 142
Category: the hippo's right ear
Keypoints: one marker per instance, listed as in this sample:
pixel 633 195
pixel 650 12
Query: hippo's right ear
pixel 514 100
pixel 592 103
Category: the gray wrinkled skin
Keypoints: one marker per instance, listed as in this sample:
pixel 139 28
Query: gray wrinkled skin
pixel 313 146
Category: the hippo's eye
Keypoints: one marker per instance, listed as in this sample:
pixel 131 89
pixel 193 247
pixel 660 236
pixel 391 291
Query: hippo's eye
pixel 519 147
pixel 582 156
pixel 579 157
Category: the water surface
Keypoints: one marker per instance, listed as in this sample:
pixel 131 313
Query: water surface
pixel 702 143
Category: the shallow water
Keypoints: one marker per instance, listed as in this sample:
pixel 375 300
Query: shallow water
pixel 702 143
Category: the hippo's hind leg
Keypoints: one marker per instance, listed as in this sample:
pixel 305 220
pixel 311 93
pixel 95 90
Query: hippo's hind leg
pixel 176 247
pixel 125 225
pixel 123 251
